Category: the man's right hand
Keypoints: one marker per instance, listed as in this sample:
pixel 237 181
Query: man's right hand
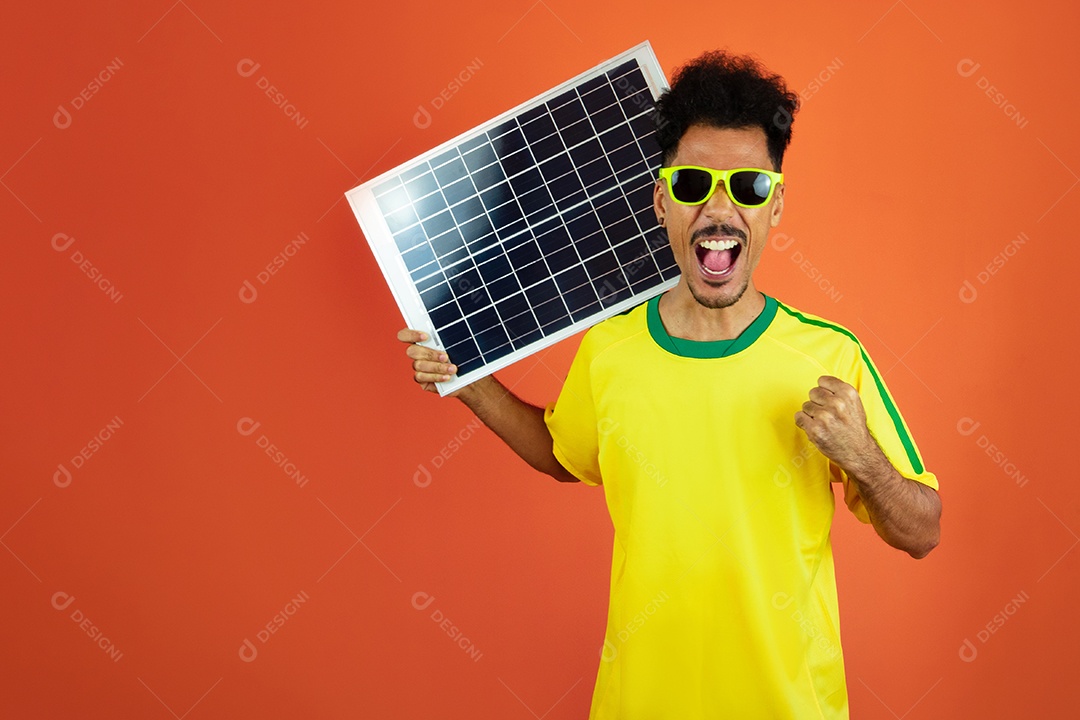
pixel 429 365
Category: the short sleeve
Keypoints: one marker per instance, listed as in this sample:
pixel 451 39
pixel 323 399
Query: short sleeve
pixel 572 421
pixel 888 428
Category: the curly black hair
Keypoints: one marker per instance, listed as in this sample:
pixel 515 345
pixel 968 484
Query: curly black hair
pixel 726 91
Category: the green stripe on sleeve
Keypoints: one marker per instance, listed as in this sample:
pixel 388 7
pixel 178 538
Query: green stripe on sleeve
pixel 898 423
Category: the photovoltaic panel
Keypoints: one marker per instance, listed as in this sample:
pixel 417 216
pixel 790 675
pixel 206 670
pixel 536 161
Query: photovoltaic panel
pixel 530 227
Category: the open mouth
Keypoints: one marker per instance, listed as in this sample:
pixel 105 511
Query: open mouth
pixel 717 257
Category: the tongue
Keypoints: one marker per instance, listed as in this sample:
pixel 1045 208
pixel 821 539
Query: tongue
pixel 717 260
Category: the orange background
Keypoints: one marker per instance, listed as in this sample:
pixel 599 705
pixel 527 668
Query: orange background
pixel 180 180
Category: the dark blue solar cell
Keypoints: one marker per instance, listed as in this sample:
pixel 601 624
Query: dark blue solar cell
pixel 591 84
pixel 488 241
pixel 488 177
pixel 505 214
pixel 592 245
pixel 612 211
pixel 495 196
pixel 479 158
pixel 474 301
pixel 444 314
pixel 638 174
pixel 421 186
pixel 482 320
pixel 531 114
pixel 611 288
pixel 509 143
pixel 552 315
pixel 577 133
pixel 595 174
pixel 549 147
pixel 542 292
pixel 572 278
pixel 494 343
pixel 581 313
pixel 465 211
pixel 538 129
pixel 418 256
pixel 580 296
pixel 476 229
pixel 586 152
pixel 555 239
pixel 523 329
pixel 532 274
pixel 425 270
pixel 447 243
pixel 494 269
pixel 601 264
pixel 414 171
pixel 539 200
pixel 465 355
pixel 430 281
pixel 616 138
pixel 556 167
pixel 502 129
pixel 409 238
pixel 583 226
pixel 436 296
pixel 518 162
pixel 504 287
pixel 562 259
pixel 598 99
pixel 607 118
pixel 568 187
pixel 451 172
pixel 456 192
pixel 437 224
pixel 625 157
pixel 622 230
pixel 527 181
pixel 453 334
pixel 453 257
pixel 473 143
pixel 512 306
pixel 646 277
pixel 621 70
pixel 637 103
pixel 568 113
pixel 431 205
pixel 508 232
pixel 524 254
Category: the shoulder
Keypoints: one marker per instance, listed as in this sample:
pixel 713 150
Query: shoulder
pixel 814 335
pixel 612 332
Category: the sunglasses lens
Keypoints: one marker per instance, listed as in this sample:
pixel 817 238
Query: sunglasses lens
pixel 749 187
pixel 690 185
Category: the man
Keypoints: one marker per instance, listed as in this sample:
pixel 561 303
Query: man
pixel 717 418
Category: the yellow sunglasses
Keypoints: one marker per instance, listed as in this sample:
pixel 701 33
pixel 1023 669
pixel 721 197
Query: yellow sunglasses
pixel 747 187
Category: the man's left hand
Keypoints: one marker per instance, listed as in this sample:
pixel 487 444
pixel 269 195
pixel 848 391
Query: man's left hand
pixel 834 420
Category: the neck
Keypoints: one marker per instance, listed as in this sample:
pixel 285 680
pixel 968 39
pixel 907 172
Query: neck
pixel 684 317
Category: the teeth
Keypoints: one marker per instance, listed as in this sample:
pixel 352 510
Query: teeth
pixel 718 244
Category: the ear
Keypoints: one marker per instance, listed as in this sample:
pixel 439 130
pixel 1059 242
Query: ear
pixel 777 206
pixel 659 200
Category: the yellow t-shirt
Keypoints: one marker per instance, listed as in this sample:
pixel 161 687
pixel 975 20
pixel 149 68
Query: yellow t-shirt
pixel 723 594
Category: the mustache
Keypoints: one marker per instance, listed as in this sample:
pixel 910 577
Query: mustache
pixel 714 230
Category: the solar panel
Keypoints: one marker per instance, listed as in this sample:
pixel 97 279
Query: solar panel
pixel 531 226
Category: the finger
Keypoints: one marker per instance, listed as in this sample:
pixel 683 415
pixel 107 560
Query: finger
pixel 411 336
pixel 812 409
pixel 420 352
pixel 821 396
pixel 434 368
pixel 802 419
pixel 424 378
pixel 832 384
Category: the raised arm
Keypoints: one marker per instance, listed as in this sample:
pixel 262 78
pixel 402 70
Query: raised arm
pixel 520 425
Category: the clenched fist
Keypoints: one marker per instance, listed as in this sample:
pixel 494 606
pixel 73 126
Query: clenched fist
pixel 835 421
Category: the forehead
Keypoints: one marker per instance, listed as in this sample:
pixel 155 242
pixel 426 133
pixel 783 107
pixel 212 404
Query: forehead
pixel 723 148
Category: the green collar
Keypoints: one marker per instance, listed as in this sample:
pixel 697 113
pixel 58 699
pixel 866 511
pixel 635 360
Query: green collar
pixel 708 348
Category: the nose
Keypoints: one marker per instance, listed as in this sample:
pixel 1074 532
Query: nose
pixel 719 207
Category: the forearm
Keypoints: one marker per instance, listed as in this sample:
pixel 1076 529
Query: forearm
pixel 905 513
pixel 520 425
